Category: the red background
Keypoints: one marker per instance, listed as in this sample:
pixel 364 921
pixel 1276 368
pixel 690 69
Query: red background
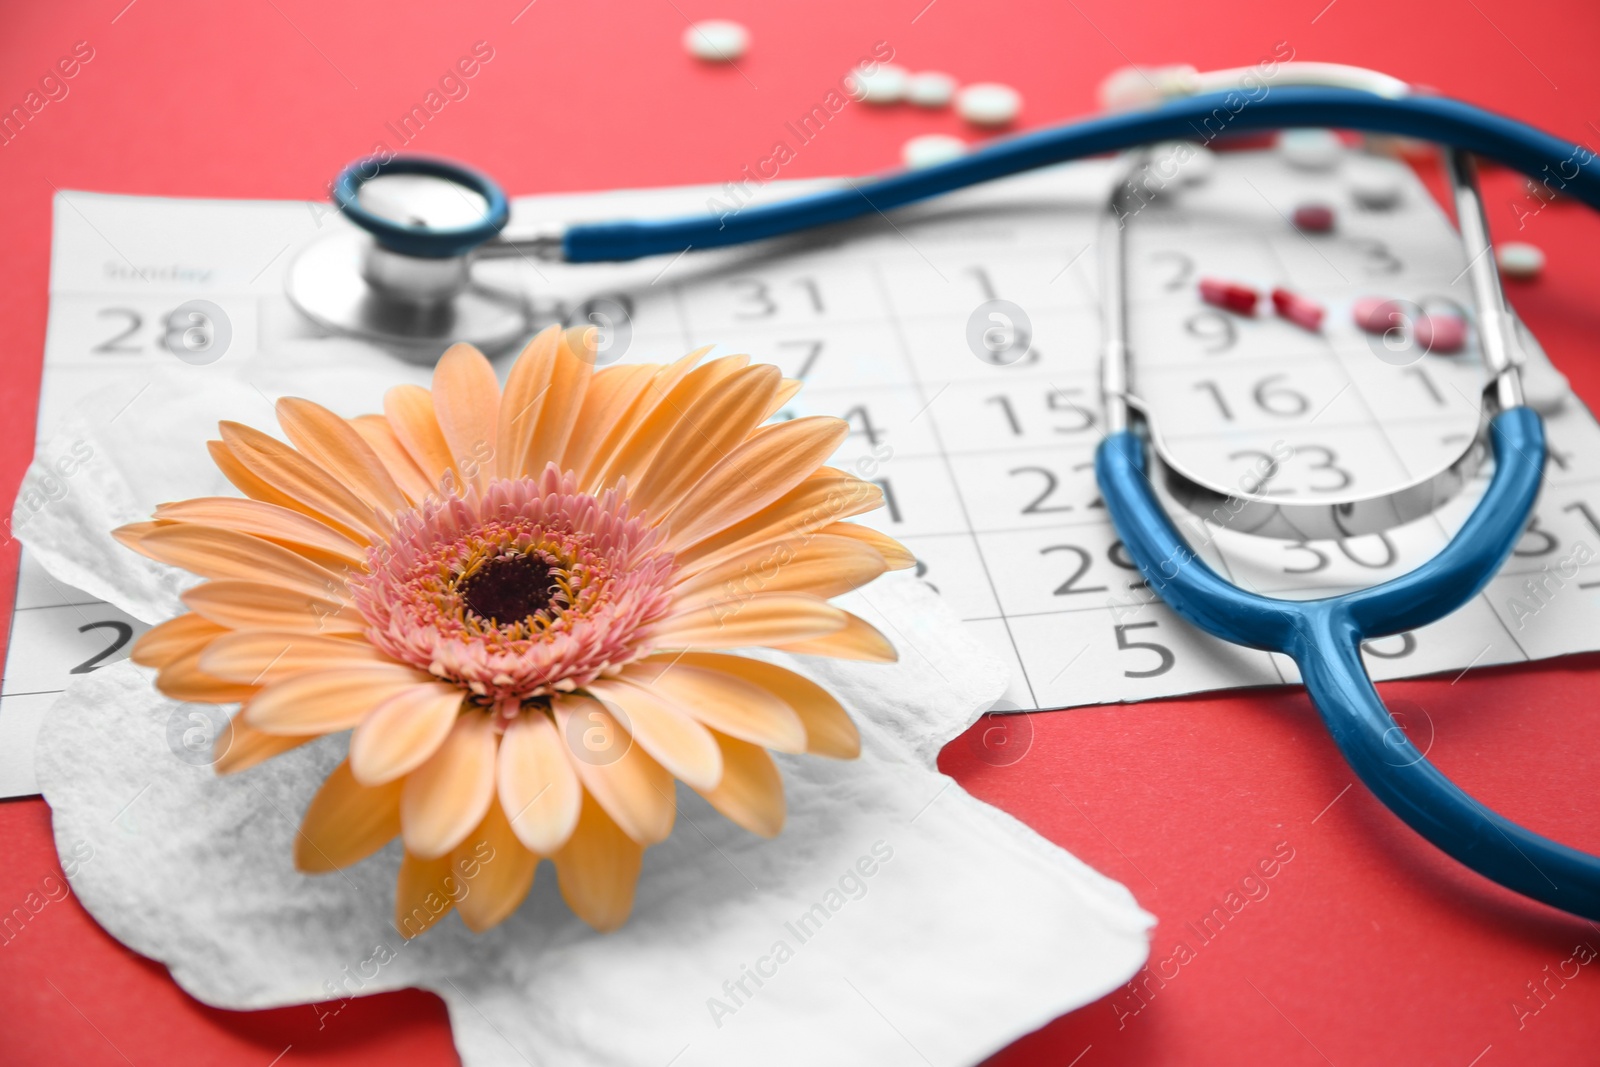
pixel 1370 947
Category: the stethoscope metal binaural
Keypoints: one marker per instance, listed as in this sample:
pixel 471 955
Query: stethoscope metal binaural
pixel 404 278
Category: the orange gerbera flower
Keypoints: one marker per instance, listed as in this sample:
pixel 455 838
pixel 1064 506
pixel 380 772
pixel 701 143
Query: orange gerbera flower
pixel 516 600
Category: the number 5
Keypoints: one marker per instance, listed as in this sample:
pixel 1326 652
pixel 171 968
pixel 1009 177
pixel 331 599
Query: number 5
pixel 1167 658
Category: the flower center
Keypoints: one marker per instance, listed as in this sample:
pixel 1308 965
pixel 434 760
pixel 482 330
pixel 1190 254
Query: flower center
pixel 527 589
pixel 508 590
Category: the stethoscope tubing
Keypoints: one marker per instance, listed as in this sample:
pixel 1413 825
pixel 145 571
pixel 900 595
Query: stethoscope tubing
pixel 1324 638
pixel 1197 118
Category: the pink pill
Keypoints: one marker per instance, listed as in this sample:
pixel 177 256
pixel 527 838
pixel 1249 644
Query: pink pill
pixel 1313 218
pixel 1375 314
pixel 1307 314
pixel 1441 333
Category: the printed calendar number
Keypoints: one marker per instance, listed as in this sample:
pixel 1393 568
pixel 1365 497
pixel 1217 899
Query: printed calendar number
pixel 1320 559
pixel 1066 411
pixel 1536 541
pixel 1179 270
pixel 122 634
pixel 809 352
pixel 759 299
pixel 1044 503
pixel 1116 555
pixel 1214 330
pixel 1386 647
pixel 1269 394
pixel 117 344
pixel 1167 659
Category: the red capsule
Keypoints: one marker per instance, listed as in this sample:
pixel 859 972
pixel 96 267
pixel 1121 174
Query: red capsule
pixel 1230 295
pixel 1304 313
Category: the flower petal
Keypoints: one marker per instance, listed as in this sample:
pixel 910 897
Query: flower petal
pixel 612 393
pixel 422 893
pixel 715 424
pixel 858 640
pixel 759 619
pixel 244 605
pixel 162 644
pixel 570 379
pixel 346 822
pixel 333 444
pixel 538 788
pixel 898 556
pixel 829 730
pixel 212 552
pixel 726 703
pixel 380 437
pixel 670 736
pixel 825 497
pixel 257 657
pixel 448 795
pixel 466 401
pixel 241 746
pixel 403 732
pixel 598 869
pixel 771 463
pixel 751 790
pixel 636 791
pixel 182 679
pixel 818 564
pixel 666 410
pixel 522 403
pixel 496 872
pixel 257 488
pixel 787 390
pixel 289 472
pixel 409 409
pixel 291 529
pixel 325 702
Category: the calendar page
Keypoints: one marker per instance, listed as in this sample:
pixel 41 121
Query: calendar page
pixel 960 340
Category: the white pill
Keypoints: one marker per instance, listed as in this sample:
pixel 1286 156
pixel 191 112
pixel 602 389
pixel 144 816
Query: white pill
pixel 1311 149
pixel 1374 186
pixel 881 85
pixel 1195 162
pixel 1131 87
pixel 716 40
pixel 932 148
pixel 988 104
pixel 1544 389
pixel 930 88
pixel 1520 260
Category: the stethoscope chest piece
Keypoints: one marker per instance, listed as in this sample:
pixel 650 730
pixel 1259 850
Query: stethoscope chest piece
pixel 329 282
pixel 401 276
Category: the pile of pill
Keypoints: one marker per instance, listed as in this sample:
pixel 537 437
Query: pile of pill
pixel 987 104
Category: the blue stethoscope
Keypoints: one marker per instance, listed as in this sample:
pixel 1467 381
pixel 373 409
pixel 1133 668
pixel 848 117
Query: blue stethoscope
pixel 403 278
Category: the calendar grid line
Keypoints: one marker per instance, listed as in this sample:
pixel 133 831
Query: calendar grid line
pixel 922 394
pixel 992 485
